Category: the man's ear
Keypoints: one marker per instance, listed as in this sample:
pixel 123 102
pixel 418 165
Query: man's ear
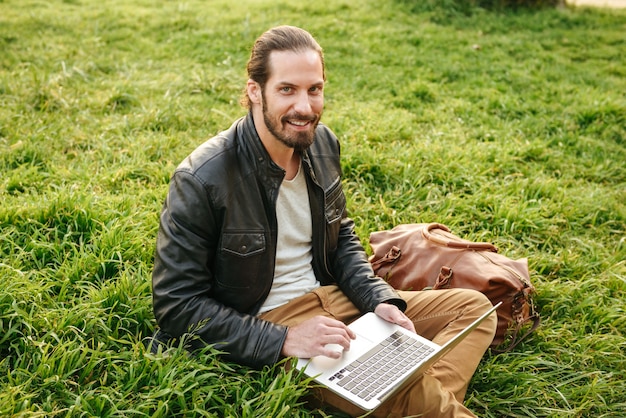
pixel 254 92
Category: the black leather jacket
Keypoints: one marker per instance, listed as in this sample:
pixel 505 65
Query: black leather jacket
pixel 216 245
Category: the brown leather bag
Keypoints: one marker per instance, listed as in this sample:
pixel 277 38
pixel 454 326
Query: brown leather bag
pixel 428 256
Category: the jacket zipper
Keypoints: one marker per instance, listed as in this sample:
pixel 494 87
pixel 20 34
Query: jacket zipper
pixel 322 256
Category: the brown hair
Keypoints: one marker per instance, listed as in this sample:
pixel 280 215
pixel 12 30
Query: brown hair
pixel 280 38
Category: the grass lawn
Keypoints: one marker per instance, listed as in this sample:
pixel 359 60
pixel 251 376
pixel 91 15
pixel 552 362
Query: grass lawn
pixel 509 127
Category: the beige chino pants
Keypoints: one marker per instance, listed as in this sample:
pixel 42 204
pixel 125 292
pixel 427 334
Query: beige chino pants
pixel 438 315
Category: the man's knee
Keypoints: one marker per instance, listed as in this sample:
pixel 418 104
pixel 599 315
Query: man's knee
pixel 478 304
pixel 470 301
pixel 435 307
pixel 457 298
pixel 477 299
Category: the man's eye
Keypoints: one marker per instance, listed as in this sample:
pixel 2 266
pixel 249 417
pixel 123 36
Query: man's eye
pixel 285 89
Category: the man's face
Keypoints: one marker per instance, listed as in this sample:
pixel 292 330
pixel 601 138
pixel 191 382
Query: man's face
pixel 293 97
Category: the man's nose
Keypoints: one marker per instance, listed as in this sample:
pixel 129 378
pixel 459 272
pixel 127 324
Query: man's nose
pixel 303 103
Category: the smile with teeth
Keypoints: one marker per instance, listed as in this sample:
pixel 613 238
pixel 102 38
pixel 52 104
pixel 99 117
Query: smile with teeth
pixel 298 122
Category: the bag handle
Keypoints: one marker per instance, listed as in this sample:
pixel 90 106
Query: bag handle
pixel 454 244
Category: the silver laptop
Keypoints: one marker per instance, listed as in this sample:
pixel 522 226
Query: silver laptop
pixel 381 358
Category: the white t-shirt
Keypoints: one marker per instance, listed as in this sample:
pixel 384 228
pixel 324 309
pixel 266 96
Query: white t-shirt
pixel 293 275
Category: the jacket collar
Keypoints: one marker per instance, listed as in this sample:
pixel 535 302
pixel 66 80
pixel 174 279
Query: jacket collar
pixel 260 159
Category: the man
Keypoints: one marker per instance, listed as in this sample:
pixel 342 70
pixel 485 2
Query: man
pixel 256 254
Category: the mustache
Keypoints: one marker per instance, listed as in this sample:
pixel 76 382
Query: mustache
pixel 299 116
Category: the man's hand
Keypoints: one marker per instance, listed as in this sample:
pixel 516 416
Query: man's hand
pixel 310 338
pixel 393 314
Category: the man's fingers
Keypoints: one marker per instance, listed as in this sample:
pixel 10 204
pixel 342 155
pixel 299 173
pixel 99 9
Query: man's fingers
pixel 310 338
pixel 339 328
pixel 333 350
pixel 392 314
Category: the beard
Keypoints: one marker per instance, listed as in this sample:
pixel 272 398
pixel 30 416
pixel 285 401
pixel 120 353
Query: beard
pixel 299 141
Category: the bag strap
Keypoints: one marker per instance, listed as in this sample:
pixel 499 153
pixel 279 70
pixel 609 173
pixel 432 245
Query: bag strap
pixel 454 244
pixel 516 337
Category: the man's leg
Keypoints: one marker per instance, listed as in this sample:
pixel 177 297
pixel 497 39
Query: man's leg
pixel 437 315
pixel 328 301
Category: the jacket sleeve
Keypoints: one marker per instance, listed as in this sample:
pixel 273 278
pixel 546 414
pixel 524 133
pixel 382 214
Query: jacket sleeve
pixel 182 282
pixel 348 261
pixel 355 276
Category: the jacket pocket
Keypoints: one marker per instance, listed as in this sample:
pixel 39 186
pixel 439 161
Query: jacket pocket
pixel 334 202
pixel 334 209
pixel 240 260
pixel 243 244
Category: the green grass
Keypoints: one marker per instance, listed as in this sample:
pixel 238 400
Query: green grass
pixel 507 126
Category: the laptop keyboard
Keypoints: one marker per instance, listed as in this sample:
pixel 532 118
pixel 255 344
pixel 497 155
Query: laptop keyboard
pixel 369 376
